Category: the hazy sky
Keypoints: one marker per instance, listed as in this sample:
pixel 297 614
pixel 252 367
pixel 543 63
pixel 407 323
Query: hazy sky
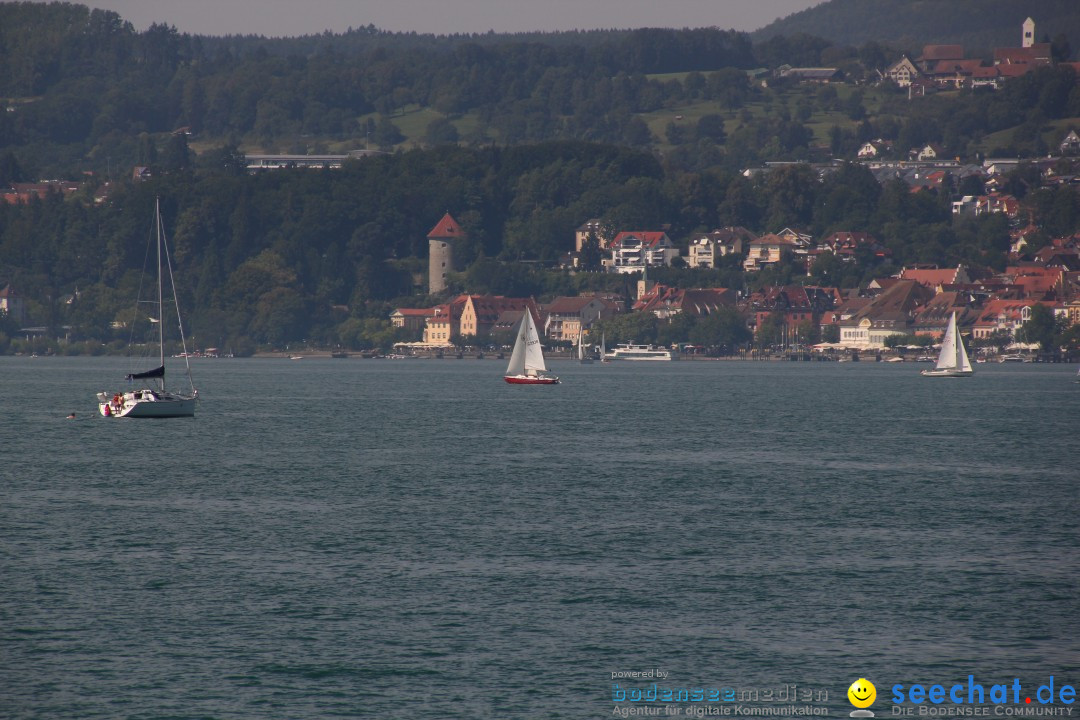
pixel 302 17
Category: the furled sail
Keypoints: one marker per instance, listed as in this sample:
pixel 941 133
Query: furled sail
pixel 155 373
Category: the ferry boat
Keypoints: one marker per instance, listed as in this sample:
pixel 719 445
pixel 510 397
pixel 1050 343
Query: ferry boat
pixel 640 352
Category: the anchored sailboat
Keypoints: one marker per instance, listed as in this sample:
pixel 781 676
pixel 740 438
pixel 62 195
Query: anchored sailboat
pixel 527 366
pixel 152 400
pixel 953 360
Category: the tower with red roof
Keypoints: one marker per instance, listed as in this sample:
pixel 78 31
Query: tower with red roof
pixel 441 252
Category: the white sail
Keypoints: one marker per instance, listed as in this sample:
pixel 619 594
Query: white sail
pixel 953 356
pixel 953 359
pixel 962 362
pixel 527 355
pixel 947 357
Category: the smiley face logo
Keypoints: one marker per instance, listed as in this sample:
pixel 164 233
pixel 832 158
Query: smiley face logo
pixel 862 693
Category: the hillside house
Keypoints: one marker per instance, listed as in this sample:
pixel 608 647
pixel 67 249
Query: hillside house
pixel 12 306
pixel 707 248
pixel 594 227
pixel 903 72
pixel 632 251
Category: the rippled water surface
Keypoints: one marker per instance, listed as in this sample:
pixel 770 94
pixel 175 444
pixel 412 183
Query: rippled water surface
pixel 379 538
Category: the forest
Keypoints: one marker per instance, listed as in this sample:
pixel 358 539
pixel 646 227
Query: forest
pixel 323 256
pixel 82 91
pixel 530 136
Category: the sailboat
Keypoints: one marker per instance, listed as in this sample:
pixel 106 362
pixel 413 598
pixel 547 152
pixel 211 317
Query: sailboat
pixel 527 365
pixel 582 357
pixel 953 360
pixel 152 399
pixel 603 349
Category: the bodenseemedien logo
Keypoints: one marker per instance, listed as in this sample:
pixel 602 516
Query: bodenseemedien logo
pixel 862 694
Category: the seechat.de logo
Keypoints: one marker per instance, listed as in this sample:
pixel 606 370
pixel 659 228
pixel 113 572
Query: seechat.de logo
pixel 862 694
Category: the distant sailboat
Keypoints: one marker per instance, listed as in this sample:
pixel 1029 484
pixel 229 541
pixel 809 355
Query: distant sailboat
pixel 582 357
pixel 527 366
pixel 603 349
pixel 152 400
pixel 953 360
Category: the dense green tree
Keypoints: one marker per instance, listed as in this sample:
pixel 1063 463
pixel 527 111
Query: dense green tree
pixel 724 330
pixel 1042 327
pixel 711 127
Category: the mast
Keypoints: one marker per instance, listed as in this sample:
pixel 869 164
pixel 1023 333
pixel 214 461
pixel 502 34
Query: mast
pixel 160 303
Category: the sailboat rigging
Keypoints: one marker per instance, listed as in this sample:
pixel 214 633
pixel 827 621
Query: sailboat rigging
pixel 152 399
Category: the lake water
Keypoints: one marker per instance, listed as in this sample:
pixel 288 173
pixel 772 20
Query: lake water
pixel 417 539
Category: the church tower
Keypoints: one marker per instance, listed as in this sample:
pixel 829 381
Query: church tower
pixel 441 252
pixel 1029 33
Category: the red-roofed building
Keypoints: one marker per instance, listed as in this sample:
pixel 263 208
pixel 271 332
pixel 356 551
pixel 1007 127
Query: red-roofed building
pixel 441 252
pixel 443 327
pixel 480 312
pixel 1038 55
pixel 954 73
pixel 666 302
pixel 1038 283
pixel 935 278
pixel 997 203
pixel 1003 315
pixel 933 54
pixel 798 305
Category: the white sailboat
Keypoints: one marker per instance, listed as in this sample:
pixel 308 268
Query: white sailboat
pixel 527 366
pixel 953 359
pixel 152 399
pixel 603 348
pixel 582 357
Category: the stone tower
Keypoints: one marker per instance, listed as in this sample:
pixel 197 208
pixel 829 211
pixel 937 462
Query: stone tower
pixel 1029 33
pixel 441 252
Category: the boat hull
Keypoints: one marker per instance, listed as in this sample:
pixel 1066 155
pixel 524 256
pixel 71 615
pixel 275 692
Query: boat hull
pixel 647 353
pixel 530 380
pixel 948 373
pixel 158 406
